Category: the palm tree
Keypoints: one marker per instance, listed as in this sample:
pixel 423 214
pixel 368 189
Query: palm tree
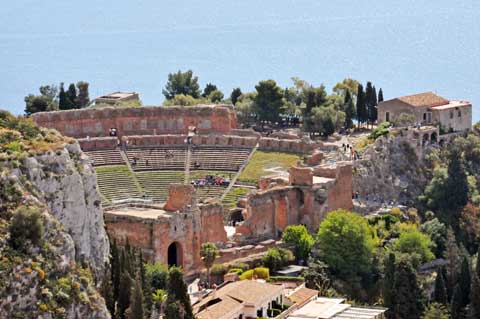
pixel 209 253
pixel 160 297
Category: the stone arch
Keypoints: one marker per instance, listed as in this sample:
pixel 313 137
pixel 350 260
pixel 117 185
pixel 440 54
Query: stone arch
pixel 175 254
pixel 425 139
pixel 433 138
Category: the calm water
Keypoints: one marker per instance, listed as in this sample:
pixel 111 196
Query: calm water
pixel 403 46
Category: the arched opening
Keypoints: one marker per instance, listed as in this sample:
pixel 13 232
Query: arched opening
pixel 175 255
pixel 442 142
pixel 236 216
pixel 433 138
pixel 425 139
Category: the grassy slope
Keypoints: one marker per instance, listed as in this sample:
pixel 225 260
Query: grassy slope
pixel 264 160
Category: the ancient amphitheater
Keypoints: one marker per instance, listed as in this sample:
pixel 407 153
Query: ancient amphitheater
pixel 146 159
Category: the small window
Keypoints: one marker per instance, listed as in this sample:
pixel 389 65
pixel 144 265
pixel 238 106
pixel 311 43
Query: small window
pixel 387 116
pixel 459 113
pixel 424 116
pixel 451 114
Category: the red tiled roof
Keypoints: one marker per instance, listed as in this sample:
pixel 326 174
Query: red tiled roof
pixel 428 99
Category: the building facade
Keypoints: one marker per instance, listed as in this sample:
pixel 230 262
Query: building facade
pixel 428 109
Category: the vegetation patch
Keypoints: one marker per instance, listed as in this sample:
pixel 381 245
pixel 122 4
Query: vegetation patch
pixel 262 161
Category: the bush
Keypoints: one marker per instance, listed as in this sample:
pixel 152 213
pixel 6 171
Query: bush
pixel 276 258
pixel 242 266
pixel 247 275
pixel 259 272
pixel 26 228
pixel 380 130
pixel 238 271
pixel 219 270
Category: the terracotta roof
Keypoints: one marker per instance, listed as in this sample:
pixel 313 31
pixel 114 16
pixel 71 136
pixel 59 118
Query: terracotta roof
pixel 302 295
pixel 428 99
pixel 226 306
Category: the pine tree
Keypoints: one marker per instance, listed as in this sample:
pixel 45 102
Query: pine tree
pixel 408 296
pixel 349 110
pixel 136 302
pixel 380 96
pixel 177 292
pixel 72 96
pixel 209 88
pixel 83 97
pixel 440 292
pixel 388 282
pixel 361 105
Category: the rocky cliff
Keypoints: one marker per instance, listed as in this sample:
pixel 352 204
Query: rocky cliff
pixel 53 245
pixel 390 171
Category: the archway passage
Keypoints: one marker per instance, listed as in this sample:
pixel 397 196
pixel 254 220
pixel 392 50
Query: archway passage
pixel 433 138
pixel 174 254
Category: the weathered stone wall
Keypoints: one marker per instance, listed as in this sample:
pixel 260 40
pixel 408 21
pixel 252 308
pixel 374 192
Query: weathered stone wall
pixel 286 145
pixel 98 143
pixel 184 223
pixel 139 120
pixel 305 201
pixel 210 140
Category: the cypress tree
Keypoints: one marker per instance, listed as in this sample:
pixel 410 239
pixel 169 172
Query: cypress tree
pixel 457 307
pixel 106 289
pixel 374 111
pixel 457 189
pixel 177 292
pixel 124 294
pixel 380 96
pixel 408 296
pixel 474 308
pixel 115 270
pixel 62 98
pixel 72 96
pixel 452 254
pixel 349 110
pixel 464 282
pixel 440 292
pixel 361 105
pixel 388 282
pixel 136 301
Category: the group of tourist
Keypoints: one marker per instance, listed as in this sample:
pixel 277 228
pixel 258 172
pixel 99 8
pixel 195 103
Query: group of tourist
pixel 353 153
pixel 211 180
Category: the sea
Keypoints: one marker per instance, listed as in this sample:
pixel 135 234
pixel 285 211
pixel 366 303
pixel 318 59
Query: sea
pixel 403 47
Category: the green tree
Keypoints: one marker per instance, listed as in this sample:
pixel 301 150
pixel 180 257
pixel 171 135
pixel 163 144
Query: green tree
pixel 276 258
pixel 408 295
pixel 440 293
pixel 300 239
pixel 182 83
pixel 136 301
pixel 349 110
pixel 413 241
pixel 388 284
pixel 83 97
pixel 268 101
pixel 209 88
pixel 474 308
pixel 106 289
pixel 215 96
pixel 124 294
pixel 235 95
pixel 160 297
pixel 208 252
pixel 437 231
pixel 457 185
pixel 464 281
pixel 361 105
pixel 436 311
pixel 345 244
pixel 458 306
pixel 317 277
pixel 72 96
pixel 178 295
pixel 26 228
pixel 325 120
pixel 380 95
pixel 347 84
pixel 369 101
pixel 46 101
pixel 452 254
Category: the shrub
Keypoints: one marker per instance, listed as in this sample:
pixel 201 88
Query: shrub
pixel 8 136
pixel 246 275
pixel 276 258
pixel 242 266
pixel 238 271
pixel 380 130
pixel 262 273
pixel 219 270
pixel 26 228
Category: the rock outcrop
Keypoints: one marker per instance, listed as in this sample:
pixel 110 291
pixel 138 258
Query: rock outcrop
pixel 389 172
pixel 67 184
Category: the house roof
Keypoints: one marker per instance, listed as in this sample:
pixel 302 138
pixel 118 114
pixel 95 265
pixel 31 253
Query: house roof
pixel 233 295
pixel 302 295
pixel 427 99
